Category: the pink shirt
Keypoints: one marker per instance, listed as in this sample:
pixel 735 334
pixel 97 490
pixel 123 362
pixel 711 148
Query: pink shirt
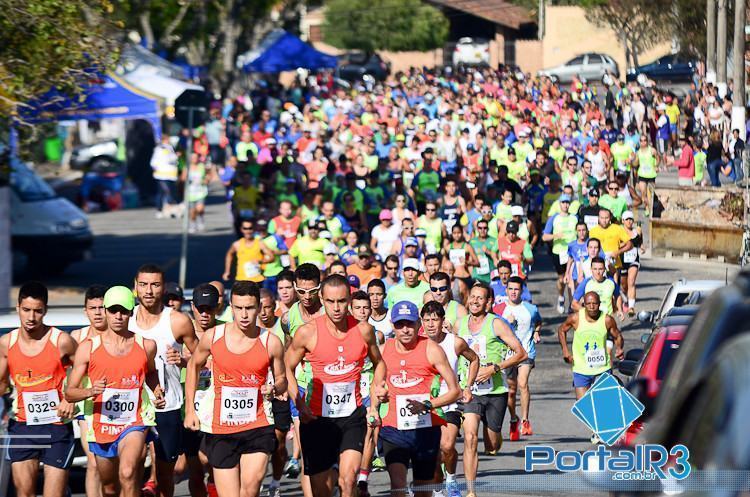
pixel 686 163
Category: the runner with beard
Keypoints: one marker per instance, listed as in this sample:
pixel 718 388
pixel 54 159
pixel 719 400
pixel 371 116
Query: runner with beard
pixel 440 292
pixel 490 338
pixel 332 416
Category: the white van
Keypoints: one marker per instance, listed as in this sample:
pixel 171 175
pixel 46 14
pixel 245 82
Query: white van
pixel 47 231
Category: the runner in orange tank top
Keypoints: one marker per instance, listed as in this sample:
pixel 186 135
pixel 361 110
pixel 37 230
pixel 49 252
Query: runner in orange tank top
pixel 234 415
pixel 332 416
pixel 33 360
pixel 119 364
pixel 411 426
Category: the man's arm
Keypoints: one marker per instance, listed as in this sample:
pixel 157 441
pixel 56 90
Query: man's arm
pixel 301 343
pixel 373 352
pixel 228 261
pixel 197 360
pixel 578 295
pixel 152 374
pixel 571 322
pixel 612 329
pixel 4 373
pixel 463 350
pixel 436 356
pixel 276 353
pixel 73 392
pixel 504 333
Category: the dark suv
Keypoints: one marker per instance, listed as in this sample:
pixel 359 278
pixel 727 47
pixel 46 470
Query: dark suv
pixel 355 66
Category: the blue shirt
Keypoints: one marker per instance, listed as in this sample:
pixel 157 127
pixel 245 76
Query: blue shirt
pixel 581 289
pixel 501 295
pixel 525 318
pixel 577 253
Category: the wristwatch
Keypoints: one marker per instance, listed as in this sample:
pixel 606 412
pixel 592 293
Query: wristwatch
pixel 428 405
pixel 496 367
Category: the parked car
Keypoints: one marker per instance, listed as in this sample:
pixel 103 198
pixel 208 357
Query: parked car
pixel 672 67
pixel 680 293
pixel 46 229
pixel 471 51
pixel 98 156
pixel 648 371
pixel 590 66
pixel 723 317
pixel 356 65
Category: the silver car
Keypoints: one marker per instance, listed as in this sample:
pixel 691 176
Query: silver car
pixel 588 66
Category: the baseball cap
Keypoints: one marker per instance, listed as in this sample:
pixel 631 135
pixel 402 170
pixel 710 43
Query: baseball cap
pixel 205 294
pixel 593 192
pixel 411 241
pixel 353 280
pixel 404 311
pixel 385 214
pixel 420 232
pixel 565 198
pixel 511 227
pixel 172 288
pixel 627 215
pixel 330 249
pixel 364 250
pixel 312 223
pixel 411 264
pixel 516 210
pixel 119 295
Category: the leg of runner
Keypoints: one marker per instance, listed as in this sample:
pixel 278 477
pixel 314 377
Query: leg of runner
pixel 93 486
pixel 25 477
pixel 524 370
pixel 366 466
pixel 252 471
pixel 349 463
pixel 282 421
pixel 512 382
pixel 107 469
pixel 449 458
pixel 632 275
pixel 197 472
pixel 55 481
pixel 471 446
pixel 168 448
pixel 149 488
pixel 130 463
pixel 398 473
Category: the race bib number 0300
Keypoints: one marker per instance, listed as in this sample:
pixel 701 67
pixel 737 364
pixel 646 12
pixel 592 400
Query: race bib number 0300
pixel 119 405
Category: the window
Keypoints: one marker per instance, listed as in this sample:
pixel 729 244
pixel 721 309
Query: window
pixel 27 185
pixel 595 59
pixel 576 62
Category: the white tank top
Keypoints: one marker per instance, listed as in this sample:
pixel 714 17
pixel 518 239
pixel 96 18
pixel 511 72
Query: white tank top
pixel 449 347
pixel 384 325
pixel 169 374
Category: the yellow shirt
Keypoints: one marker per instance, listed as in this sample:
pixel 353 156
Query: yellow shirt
pixel 249 258
pixel 673 112
pixel 611 238
pixel 245 198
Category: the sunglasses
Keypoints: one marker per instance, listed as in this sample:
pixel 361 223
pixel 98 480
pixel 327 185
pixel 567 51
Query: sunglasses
pixel 430 210
pixel 438 288
pixel 306 291
pixel 391 268
pixel 246 228
pixel 402 324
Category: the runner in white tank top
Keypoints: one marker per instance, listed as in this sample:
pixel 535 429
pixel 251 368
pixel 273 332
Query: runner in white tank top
pixel 170 330
pixel 433 316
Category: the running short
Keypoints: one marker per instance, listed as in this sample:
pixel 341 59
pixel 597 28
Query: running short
pixel 490 408
pixel 646 180
pixel 110 450
pixel 512 372
pixel 169 431
pixel 453 418
pixel 282 414
pixel 628 265
pixel 191 442
pixel 49 444
pixel 324 439
pixel 585 380
pixel 418 448
pixel 224 450
pixel 559 268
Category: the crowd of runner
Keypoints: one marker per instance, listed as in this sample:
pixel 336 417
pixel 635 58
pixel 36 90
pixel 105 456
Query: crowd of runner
pixel 379 304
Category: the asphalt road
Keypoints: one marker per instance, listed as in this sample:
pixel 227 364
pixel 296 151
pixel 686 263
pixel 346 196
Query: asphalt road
pixel 126 239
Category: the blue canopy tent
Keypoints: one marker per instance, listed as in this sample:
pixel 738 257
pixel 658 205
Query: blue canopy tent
pixel 108 97
pixel 282 51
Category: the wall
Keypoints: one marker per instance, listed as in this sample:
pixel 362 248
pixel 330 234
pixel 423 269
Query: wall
pixel 400 61
pixel 568 33
pixel 529 55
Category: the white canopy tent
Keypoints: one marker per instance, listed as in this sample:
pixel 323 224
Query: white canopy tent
pixel 158 84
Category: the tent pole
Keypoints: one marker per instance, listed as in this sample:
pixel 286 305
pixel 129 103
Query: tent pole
pixel 186 203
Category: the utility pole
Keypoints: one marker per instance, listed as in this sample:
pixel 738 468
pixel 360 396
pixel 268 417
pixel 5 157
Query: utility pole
pixel 721 49
pixel 711 41
pixel 738 93
pixel 542 20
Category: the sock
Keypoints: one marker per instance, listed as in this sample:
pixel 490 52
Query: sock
pixel 364 474
pixel 631 303
pixel 275 483
pixel 450 477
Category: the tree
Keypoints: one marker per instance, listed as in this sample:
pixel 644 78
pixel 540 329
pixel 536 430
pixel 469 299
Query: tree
pixel 45 43
pixel 641 24
pixel 371 25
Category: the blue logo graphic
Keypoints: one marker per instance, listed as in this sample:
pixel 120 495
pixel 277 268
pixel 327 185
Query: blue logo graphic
pixel 607 408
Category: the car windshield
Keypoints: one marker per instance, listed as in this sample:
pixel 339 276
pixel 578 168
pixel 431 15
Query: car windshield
pixel 27 185
pixel 668 353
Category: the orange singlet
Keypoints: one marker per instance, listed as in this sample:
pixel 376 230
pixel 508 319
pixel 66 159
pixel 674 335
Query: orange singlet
pixel 238 404
pixel 336 364
pixel 410 377
pixel 120 405
pixel 38 380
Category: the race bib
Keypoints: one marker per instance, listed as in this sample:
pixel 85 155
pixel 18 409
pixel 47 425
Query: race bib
pixel 482 388
pixel 41 407
pixel 515 269
pixel 239 405
pixel 364 385
pixel 596 358
pixel 564 258
pixel 457 256
pixel 405 420
pixel 630 256
pixel 251 269
pixel 199 396
pixel 119 405
pixel 339 400
pixel 484 264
